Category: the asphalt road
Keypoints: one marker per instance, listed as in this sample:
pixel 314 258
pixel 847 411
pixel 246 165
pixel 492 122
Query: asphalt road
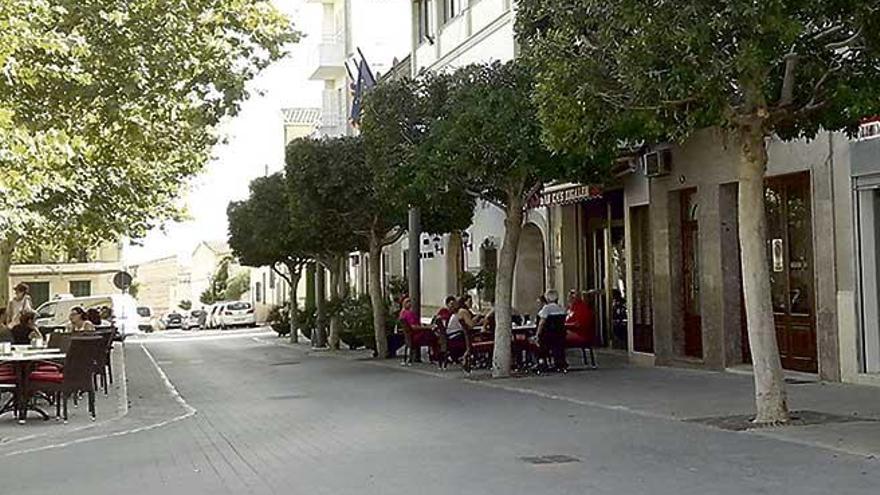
pixel 259 418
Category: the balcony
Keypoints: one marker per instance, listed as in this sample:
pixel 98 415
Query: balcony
pixel 328 60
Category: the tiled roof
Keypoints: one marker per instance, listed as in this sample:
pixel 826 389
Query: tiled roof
pixel 299 115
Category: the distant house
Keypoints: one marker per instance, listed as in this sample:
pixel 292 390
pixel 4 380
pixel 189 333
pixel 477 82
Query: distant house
pixel 205 260
pixel 300 122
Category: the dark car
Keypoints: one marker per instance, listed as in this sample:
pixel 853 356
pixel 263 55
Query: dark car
pixel 173 320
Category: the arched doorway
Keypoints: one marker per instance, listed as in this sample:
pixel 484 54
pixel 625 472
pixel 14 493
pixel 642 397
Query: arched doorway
pixel 529 275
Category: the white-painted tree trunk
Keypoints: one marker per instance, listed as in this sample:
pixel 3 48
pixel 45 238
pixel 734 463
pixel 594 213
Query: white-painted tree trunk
pixel 293 306
pixel 7 247
pixel 770 397
pixel 501 358
pixel 376 298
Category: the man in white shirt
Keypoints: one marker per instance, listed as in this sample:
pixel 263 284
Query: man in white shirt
pixel 551 331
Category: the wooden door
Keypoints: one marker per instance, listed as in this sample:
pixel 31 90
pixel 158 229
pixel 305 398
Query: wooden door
pixel 790 261
pixel 690 270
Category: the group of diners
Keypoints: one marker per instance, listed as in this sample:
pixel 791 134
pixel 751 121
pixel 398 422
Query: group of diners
pixel 18 319
pixel 459 334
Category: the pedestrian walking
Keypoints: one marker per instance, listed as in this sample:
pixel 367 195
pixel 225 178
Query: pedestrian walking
pixel 19 303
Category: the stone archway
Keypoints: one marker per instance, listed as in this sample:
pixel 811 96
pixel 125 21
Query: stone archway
pixel 529 281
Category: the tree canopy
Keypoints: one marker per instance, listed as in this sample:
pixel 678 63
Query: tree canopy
pixel 398 118
pixel 635 70
pixel 105 109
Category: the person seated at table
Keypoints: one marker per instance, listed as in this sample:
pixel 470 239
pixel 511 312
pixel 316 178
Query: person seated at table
pixel 410 323
pixel 579 322
pixel 463 319
pixel 550 334
pixel 94 316
pixel 445 313
pixel 26 330
pixel 78 321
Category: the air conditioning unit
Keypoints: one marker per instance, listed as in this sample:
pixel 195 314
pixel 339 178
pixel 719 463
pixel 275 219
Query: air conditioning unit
pixel 658 162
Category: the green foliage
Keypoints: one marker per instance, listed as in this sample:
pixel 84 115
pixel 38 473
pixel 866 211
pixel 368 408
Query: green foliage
pixel 398 117
pixel 237 286
pixel 218 284
pixel 328 192
pixel 483 282
pixel 279 319
pixel 265 230
pixel 492 138
pixel 106 108
pixel 397 287
pixel 185 304
pixel 356 317
pixel 628 70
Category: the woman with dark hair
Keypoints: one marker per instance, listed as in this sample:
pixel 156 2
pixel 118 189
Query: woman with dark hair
pixel 94 316
pixel 79 321
pixel 26 330
pixel 19 303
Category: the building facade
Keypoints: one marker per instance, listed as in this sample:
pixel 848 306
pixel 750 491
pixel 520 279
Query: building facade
pixel 656 250
pixel 159 285
pixel 86 273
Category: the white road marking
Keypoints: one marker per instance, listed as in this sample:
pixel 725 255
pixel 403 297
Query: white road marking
pixel 189 412
pixel 238 335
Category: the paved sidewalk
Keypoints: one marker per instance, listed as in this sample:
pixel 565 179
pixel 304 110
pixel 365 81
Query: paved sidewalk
pixel 108 407
pixel 852 424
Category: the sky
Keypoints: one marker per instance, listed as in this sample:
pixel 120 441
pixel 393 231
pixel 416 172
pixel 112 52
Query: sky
pixel 254 139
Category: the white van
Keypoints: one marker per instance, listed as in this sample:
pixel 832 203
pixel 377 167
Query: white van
pixel 53 315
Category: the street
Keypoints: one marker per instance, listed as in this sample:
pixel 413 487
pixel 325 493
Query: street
pixel 256 417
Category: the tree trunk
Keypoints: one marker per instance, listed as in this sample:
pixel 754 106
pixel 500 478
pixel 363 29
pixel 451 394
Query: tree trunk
pixel 770 397
pixel 319 336
pixel 335 322
pixel 7 247
pixel 343 279
pixel 293 305
pixel 376 297
pixel 501 359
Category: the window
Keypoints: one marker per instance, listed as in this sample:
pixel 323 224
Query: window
pixel 238 306
pixel 39 292
pixel 424 8
pixel 81 288
pixel 272 279
pixel 259 291
pixel 451 8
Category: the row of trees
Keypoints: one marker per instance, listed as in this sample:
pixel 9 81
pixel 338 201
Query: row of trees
pixel 593 75
pixel 106 108
pixel 439 143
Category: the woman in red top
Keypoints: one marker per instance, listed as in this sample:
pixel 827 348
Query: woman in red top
pixel 579 322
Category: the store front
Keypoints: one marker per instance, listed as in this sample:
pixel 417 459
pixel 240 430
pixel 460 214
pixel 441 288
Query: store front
pixel 866 213
pixel 590 254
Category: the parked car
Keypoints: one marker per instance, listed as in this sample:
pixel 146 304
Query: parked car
pixel 237 314
pixel 194 319
pixel 123 313
pixel 173 320
pixel 145 319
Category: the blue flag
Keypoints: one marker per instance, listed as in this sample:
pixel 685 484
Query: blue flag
pixel 365 81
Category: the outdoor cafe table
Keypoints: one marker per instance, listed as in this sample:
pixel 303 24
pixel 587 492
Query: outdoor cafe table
pixel 22 362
